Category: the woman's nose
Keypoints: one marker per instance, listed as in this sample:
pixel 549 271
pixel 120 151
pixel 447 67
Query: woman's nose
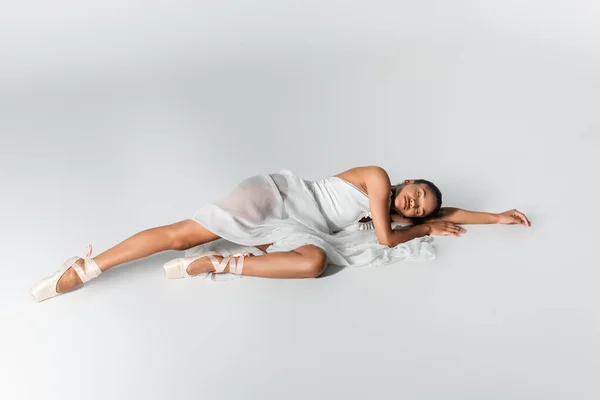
pixel 412 203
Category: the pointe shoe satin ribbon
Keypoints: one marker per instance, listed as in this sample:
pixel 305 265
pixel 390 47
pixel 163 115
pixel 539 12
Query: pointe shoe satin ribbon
pixel 177 268
pixel 234 268
pixel 46 288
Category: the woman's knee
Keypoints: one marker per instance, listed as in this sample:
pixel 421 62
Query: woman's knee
pixel 315 260
pixel 189 233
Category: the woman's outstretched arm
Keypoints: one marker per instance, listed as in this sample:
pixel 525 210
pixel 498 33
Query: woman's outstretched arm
pixel 460 216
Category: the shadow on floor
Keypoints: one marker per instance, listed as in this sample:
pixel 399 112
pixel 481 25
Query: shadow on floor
pixel 331 269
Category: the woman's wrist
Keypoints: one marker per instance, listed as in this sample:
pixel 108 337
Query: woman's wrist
pixel 425 229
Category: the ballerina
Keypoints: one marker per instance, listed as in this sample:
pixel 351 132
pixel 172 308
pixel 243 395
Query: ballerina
pixel 293 228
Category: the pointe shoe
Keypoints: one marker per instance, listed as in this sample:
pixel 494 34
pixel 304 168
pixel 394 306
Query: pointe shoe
pixel 177 268
pixel 46 288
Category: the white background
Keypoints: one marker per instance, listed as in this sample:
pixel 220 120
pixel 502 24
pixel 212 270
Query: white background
pixel 120 116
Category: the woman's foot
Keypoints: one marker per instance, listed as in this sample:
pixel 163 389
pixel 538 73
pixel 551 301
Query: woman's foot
pixel 204 264
pixel 74 271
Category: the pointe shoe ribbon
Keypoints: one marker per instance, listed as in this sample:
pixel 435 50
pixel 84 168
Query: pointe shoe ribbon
pixel 91 268
pixel 177 268
pixel 234 268
pixel 46 288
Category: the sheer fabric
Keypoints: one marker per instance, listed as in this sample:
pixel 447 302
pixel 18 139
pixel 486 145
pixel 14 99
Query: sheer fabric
pixel 289 212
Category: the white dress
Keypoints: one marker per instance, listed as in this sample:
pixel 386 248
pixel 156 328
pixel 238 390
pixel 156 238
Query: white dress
pixel 289 212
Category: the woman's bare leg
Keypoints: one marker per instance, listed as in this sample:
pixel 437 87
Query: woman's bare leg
pixel 178 236
pixel 304 262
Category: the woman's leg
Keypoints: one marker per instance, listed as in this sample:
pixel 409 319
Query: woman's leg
pixel 304 262
pixel 178 236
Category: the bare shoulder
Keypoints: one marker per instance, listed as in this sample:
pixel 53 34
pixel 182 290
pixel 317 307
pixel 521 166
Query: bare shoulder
pixel 367 176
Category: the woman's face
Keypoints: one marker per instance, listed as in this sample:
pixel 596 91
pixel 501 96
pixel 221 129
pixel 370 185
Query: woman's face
pixel 414 200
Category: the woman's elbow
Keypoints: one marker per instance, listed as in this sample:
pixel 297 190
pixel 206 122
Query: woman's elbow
pixel 386 240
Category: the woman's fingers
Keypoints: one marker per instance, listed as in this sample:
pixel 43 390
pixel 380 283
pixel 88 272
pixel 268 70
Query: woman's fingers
pixel 519 217
pixel 523 218
pixel 457 228
pixel 447 228
pixel 454 229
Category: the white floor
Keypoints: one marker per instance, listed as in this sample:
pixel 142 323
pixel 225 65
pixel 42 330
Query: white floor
pixel 116 120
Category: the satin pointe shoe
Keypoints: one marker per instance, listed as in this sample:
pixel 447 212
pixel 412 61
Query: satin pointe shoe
pixel 177 268
pixel 46 288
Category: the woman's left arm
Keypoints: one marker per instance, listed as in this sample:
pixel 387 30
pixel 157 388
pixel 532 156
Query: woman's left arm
pixel 460 216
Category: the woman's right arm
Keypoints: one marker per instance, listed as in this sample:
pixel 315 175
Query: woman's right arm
pixel 429 228
pixel 405 234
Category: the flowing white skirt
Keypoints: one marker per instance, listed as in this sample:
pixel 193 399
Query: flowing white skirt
pixel 281 209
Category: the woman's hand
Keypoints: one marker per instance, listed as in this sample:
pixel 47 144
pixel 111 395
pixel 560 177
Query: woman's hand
pixel 513 217
pixel 444 228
